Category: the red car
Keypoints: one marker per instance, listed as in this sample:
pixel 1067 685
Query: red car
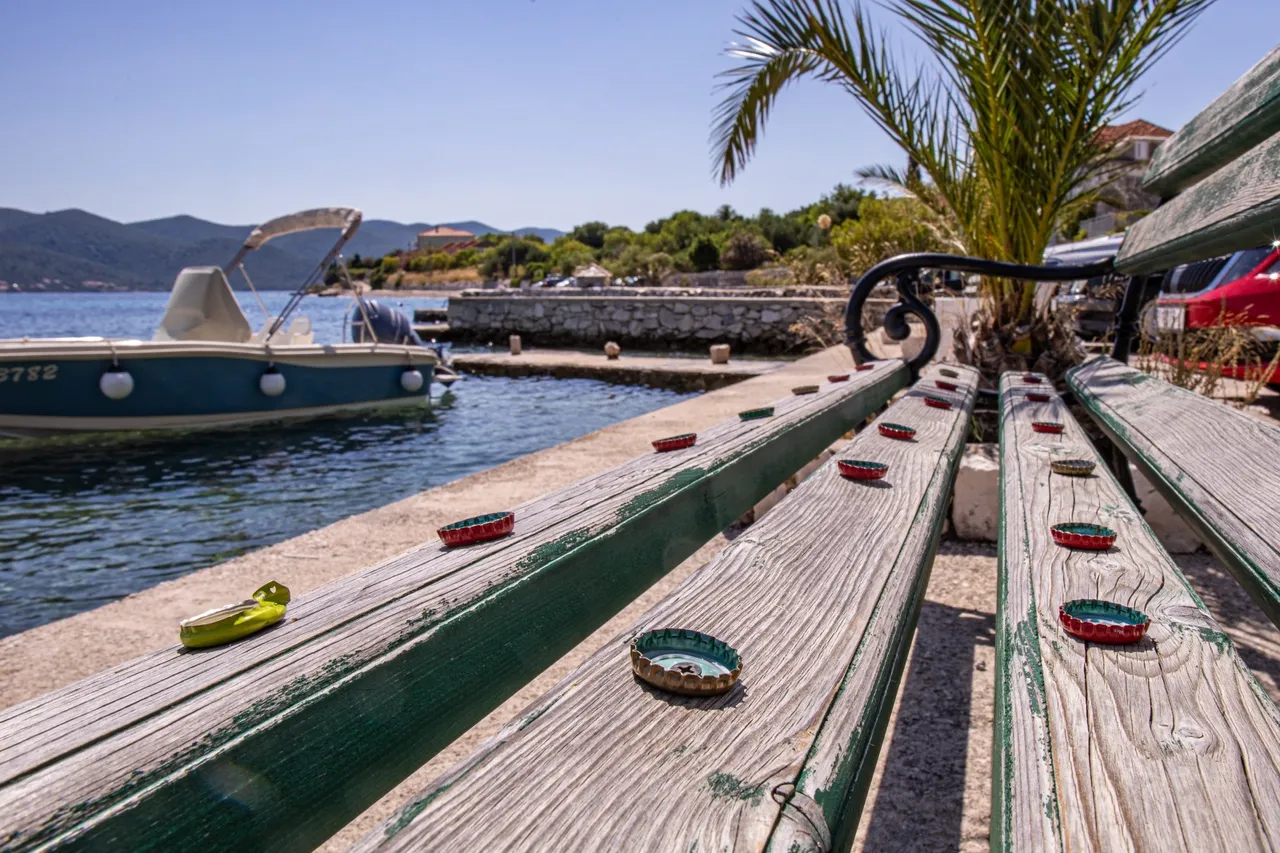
pixel 1237 290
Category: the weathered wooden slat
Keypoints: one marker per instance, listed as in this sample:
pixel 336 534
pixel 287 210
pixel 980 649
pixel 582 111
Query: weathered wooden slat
pixel 820 597
pixel 1235 208
pixel 279 740
pixel 1218 467
pixel 1240 118
pixel 1169 744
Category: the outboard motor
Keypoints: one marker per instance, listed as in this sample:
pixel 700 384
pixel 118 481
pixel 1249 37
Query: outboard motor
pixel 389 325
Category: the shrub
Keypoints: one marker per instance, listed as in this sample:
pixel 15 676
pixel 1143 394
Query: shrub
pixel 704 255
pixel 744 251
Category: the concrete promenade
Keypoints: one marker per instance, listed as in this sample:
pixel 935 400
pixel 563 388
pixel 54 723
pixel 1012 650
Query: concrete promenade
pixel 681 374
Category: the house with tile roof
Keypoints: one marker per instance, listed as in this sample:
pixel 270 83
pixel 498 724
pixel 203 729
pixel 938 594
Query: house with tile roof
pixel 1131 146
pixel 441 236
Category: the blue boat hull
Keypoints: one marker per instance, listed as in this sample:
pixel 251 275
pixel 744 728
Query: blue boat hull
pixel 43 395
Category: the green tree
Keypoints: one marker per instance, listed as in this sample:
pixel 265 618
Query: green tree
pixel 463 259
pixel 656 266
pixel 567 254
pixel 590 233
pixel 389 264
pixel 704 255
pixel 888 227
pixel 744 251
pixel 1001 134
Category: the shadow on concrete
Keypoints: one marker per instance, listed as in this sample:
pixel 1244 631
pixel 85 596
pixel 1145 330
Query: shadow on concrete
pixel 920 802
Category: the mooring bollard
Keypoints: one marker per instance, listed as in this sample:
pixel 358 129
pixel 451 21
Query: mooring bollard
pixel 719 353
pixel 612 351
pixel 515 344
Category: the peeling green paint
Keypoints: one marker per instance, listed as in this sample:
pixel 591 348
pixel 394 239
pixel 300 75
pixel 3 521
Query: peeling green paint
pixel 644 500
pixel 730 787
pixel 553 550
pixel 411 811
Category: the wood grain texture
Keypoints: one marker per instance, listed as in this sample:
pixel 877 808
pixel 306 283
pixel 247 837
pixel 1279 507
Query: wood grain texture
pixel 1217 466
pixel 1169 744
pixel 278 740
pixel 820 598
pixel 1241 117
pixel 1235 208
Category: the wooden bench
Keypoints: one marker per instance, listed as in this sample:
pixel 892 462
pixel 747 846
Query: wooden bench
pixel 820 598
pixel 1168 744
pixel 1218 467
pixel 279 740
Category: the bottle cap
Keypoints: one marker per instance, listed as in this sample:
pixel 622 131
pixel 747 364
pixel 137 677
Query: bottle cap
pixel 687 662
pixel 1031 378
pixel 233 621
pixel 1103 621
pixel 1047 426
pixel 756 414
pixel 898 431
pixel 482 528
pixel 948 372
pixel 1082 535
pixel 867 366
pixel 936 402
pixel 861 469
pixel 840 377
pixel 804 389
pixel 675 442
pixel 1072 467
pixel 1036 397
pixel 945 385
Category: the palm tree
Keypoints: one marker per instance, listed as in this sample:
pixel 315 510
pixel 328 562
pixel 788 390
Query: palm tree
pixel 1001 133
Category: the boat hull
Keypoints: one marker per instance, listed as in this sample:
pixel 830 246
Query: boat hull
pixel 50 388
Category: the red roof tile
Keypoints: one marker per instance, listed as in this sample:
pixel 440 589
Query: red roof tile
pixel 1129 130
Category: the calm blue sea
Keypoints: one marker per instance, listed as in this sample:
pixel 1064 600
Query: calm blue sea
pixel 86 522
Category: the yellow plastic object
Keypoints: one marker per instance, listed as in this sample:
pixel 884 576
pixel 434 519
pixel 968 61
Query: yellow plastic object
pixel 230 623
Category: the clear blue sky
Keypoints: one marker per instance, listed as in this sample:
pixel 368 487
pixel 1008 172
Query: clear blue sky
pixel 514 112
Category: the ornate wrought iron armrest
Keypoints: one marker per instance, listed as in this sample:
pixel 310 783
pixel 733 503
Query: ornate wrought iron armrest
pixel 906 269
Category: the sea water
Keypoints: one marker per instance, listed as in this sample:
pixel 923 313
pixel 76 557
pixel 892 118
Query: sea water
pixel 85 522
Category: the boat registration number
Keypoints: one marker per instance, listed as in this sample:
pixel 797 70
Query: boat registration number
pixel 29 373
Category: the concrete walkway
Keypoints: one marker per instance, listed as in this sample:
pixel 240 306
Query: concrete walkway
pixel 682 374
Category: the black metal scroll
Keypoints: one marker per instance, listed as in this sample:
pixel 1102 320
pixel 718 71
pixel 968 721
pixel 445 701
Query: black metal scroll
pixel 906 269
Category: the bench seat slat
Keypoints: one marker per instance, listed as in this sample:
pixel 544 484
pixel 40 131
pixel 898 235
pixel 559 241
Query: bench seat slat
pixel 1219 467
pixel 1169 744
pixel 1237 120
pixel 820 597
pixel 371 675
pixel 1235 208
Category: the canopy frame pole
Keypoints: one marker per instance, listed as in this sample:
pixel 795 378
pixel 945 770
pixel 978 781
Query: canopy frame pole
pixel 266 315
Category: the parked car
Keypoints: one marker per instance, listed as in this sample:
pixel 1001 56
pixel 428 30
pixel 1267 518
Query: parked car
pixel 1241 289
pixel 1088 306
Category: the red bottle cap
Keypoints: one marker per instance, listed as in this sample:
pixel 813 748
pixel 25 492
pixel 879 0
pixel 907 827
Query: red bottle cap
pixel 1038 398
pixel 675 442
pixel 945 385
pixel 1031 378
pixel 481 528
pixel 898 431
pixel 1086 537
pixel 1100 621
pixel 861 469
pixel 867 366
pixel 937 402
pixel 1047 426
pixel 841 377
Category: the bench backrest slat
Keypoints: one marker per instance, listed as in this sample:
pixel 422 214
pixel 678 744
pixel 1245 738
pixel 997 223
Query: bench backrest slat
pixel 1240 118
pixel 1237 207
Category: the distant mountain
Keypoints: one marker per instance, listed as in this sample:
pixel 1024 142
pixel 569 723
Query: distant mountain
pixel 73 246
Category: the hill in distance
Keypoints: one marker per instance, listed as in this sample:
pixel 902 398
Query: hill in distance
pixel 65 249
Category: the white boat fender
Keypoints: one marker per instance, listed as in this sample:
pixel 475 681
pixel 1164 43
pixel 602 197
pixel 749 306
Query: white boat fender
pixel 116 383
pixel 411 380
pixel 272 382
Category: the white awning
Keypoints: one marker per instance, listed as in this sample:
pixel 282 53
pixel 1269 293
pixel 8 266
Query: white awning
pixel 346 218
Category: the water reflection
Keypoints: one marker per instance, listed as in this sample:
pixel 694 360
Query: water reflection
pixel 85 522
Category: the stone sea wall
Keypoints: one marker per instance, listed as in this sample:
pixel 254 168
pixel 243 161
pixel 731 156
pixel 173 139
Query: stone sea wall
pixel 759 325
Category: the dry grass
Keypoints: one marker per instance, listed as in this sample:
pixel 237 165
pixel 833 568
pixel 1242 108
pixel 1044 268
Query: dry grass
pixel 1226 347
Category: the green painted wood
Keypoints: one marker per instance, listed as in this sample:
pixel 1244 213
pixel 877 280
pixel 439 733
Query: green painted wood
pixel 1235 208
pixel 820 597
pixel 1219 468
pixel 1167 744
pixel 278 741
pixel 1240 118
